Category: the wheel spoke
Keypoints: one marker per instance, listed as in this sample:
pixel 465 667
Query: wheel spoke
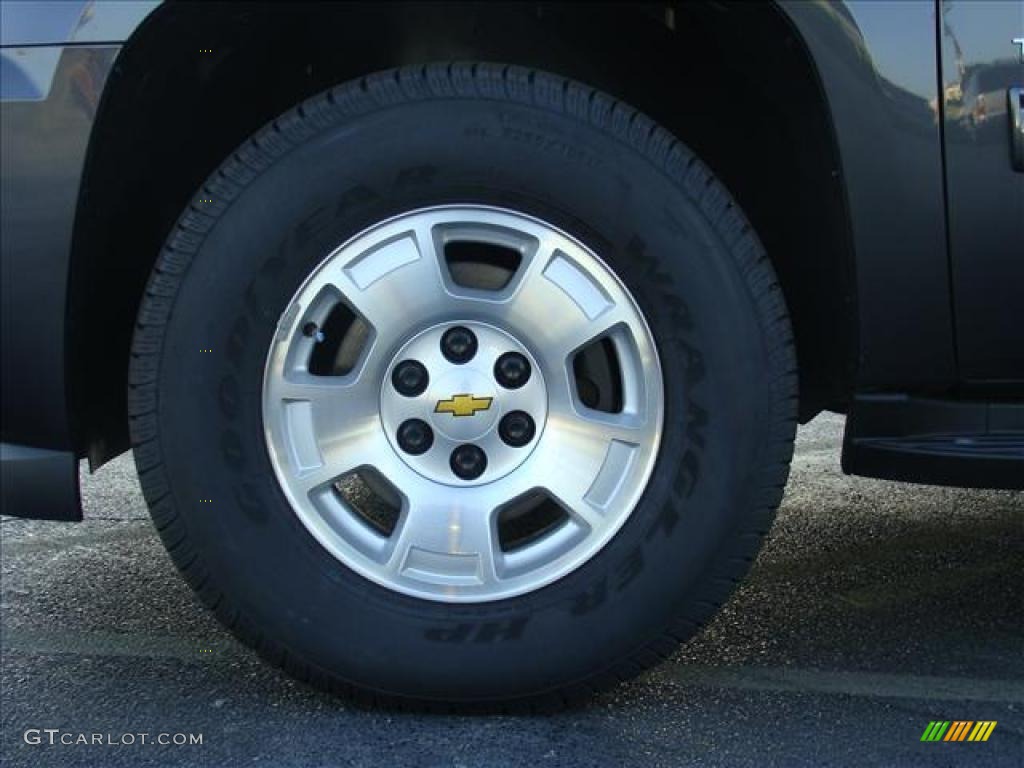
pixel 323 392
pixel 573 456
pixel 356 447
pixel 573 337
pixel 561 307
pixel 435 532
pixel 340 418
pixel 599 427
pixel 395 281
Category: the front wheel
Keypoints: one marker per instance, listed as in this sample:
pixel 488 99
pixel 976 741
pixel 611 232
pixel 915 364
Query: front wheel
pixel 463 383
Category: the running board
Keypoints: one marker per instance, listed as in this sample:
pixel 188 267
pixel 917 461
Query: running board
pixel 939 442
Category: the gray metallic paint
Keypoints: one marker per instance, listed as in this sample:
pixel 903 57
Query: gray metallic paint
pixel 71 22
pixel 26 74
pixel 42 153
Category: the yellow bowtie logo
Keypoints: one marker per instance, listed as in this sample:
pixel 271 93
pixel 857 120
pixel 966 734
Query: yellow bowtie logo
pixel 463 405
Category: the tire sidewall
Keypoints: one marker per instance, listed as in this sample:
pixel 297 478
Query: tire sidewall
pixel 347 178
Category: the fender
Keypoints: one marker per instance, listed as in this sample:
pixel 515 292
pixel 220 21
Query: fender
pixel 882 91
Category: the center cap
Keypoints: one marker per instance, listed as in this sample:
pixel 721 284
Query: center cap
pixel 466 405
pixel 451 411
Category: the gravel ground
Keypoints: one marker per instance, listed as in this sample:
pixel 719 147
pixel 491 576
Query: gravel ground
pixel 874 608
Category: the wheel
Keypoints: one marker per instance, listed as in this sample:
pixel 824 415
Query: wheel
pixel 463 384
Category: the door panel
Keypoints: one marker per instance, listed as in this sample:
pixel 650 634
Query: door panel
pixel 980 62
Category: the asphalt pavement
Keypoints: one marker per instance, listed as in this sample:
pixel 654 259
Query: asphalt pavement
pixel 874 609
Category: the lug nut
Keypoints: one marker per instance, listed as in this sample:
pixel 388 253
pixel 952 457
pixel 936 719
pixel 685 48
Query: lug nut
pixel 512 370
pixel 516 428
pixel 458 345
pixel 410 378
pixel 468 462
pixel 415 436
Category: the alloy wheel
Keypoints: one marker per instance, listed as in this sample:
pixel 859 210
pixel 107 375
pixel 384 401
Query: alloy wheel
pixel 463 403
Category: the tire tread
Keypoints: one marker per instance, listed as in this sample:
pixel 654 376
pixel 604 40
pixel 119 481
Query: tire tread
pixel 462 80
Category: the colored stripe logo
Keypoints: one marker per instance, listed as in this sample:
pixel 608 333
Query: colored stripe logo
pixel 958 730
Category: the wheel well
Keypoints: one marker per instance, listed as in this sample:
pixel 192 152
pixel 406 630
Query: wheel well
pixel 733 81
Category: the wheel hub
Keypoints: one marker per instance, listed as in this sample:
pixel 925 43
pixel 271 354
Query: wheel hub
pixel 464 400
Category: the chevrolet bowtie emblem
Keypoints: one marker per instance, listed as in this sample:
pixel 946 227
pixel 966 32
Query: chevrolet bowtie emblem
pixel 463 405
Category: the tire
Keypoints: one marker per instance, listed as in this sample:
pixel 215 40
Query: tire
pixel 519 140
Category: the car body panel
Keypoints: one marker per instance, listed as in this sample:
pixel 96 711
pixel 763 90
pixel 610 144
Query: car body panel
pixel 71 22
pixel 876 62
pixel 43 143
pixel 980 63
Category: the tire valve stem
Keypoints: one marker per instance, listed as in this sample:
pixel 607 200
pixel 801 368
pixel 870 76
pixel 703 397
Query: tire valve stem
pixel 312 330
